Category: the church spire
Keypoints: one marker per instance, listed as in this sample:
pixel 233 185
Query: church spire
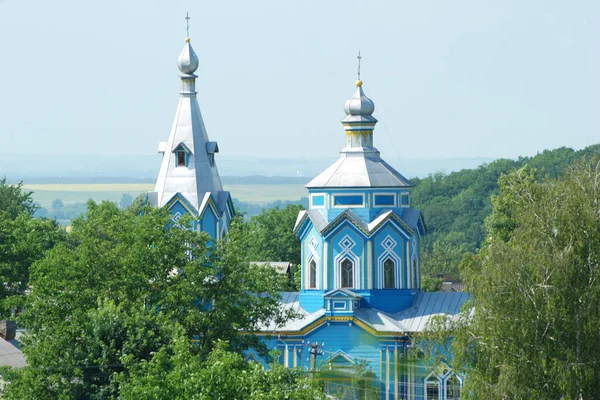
pixel 359 122
pixel 188 180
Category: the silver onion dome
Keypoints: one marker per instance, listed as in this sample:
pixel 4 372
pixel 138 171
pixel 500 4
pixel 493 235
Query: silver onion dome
pixel 359 104
pixel 188 60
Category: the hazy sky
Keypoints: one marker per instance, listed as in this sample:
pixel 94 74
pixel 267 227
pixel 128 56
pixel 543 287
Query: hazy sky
pixel 448 78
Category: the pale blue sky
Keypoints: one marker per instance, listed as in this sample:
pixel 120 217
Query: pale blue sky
pixel 449 78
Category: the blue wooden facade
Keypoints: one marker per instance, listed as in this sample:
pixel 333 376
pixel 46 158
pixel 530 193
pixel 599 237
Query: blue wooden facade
pixel 360 298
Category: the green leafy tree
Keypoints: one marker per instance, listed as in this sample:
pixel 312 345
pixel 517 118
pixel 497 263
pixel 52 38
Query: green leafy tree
pixel 271 237
pixel 122 288
pixel 531 330
pixel 126 200
pixel 222 375
pixel 14 200
pixel 456 205
pixel 23 240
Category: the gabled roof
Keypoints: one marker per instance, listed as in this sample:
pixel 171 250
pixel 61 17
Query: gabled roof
pixel 212 147
pixel 183 146
pixel 337 293
pixel 359 169
pixel 221 202
pixel 410 220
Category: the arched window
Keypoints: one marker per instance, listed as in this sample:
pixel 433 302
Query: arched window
pixel 347 273
pixel 453 386
pixel 414 273
pixel 389 274
pixel 312 275
pixel 432 388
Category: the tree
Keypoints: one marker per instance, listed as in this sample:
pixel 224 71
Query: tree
pixel 124 287
pixel 223 375
pixel 14 200
pixel 456 205
pixel 271 235
pixel 126 200
pixel 23 240
pixel 531 330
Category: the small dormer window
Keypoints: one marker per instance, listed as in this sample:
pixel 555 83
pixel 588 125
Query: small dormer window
pixel 211 149
pixel 182 154
pixel 181 158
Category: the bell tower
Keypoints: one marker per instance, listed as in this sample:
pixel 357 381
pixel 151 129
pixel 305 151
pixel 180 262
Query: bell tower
pixel 188 181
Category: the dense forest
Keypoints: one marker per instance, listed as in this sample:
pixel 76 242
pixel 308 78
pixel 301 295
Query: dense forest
pixel 455 206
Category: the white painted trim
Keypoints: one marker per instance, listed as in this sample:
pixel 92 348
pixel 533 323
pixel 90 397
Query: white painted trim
pixel 393 195
pixel 436 380
pixel 325 270
pixel 388 252
pixel 347 195
pixel 313 245
pixel 400 200
pixel 387 372
pixel 369 264
pixel 396 383
pixel 310 201
pixel 346 253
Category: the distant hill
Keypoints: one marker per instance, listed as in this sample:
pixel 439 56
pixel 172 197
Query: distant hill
pixel 70 168
pixel 455 205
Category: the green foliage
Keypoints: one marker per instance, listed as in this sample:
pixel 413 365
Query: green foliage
pixel 455 206
pixel 365 381
pixel 23 240
pixel 533 332
pixel 271 236
pixel 122 289
pixel 222 375
pixel 126 200
pixel 13 200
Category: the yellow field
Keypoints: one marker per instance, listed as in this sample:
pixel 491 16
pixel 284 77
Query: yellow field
pixel 92 187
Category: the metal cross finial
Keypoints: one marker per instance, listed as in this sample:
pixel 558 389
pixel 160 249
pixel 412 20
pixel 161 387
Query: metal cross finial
pixel 359 58
pixel 187 22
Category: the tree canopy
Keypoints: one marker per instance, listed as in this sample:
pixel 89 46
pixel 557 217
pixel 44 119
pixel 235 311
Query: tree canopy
pixel 271 235
pixel 456 205
pixel 531 330
pixel 23 240
pixel 124 288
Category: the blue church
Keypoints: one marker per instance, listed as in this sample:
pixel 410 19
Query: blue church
pixel 360 301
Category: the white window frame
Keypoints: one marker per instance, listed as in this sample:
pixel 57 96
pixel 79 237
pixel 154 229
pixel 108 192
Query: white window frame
pixel 333 196
pixel 310 204
pixel 393 195
pixel 400 200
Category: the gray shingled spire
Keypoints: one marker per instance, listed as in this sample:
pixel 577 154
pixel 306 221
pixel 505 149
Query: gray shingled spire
pixel 188 166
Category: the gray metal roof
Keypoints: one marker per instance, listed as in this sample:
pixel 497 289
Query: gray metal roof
pixel 280 266
pixel 410 217
pixel 199 177
pixel 362 168
pixel 11 354
pixel 414 319
pixel 428 305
